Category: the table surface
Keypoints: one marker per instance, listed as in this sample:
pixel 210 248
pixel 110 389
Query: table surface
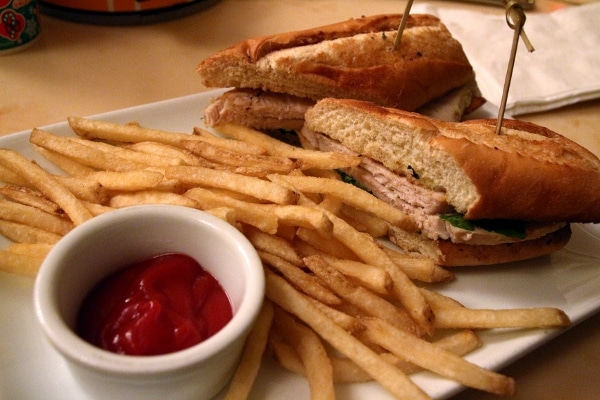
pixel 80 69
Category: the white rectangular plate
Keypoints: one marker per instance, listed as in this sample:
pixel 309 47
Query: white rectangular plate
pixel 569 279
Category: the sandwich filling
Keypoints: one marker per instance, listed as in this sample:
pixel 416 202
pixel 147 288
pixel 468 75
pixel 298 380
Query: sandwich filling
pixel 429 208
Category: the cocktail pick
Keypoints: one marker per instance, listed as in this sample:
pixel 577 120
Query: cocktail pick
pixel 515 18
pixel 402 24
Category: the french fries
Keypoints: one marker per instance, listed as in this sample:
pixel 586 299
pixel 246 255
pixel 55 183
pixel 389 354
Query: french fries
pixel 340 305
pixel 256 342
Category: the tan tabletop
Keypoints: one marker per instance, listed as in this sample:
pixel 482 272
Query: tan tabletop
pixel 78 69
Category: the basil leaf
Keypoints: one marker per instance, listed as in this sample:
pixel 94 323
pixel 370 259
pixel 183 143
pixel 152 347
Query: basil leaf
pixel 458 221
pixel 348 179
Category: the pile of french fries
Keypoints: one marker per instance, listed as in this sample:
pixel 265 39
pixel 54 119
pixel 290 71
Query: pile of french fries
pixel 341 305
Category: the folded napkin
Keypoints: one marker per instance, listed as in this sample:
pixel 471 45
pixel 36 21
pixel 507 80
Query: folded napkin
pixel 564 68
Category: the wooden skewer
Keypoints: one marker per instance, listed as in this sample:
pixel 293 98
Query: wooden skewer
pixel 515 18
pixel 402 23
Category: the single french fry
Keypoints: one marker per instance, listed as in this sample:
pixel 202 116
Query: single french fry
pixel 284 353
pixel 273 245
pixel 47 184
pixel 84 189
pixel 127 133
pixel 372 278
pixel 314 357
pixel 309 158
pixel 11 211
pixel 150 197
pixel 64 162
pixel 436 359
pixel 227 214
pixel 97 209
pixel 390 377
pixel 324 243
pixel 364 221
pixel 86 155
pixel 348 322
pixel 307 217
pixel 453 314
pixel 126 181
pixel 420 269
pixel 147 159
pixel 245 212
pixel 35 250
pixel 508 318
pixel 255 345
pixel 228 144
pixel 30 197
pixel 242 159
pixel 350 195
pixel 167 151
pixel 226 180
pixel 21 264
pixel 304 282
pixel 23 233
pixel 10 177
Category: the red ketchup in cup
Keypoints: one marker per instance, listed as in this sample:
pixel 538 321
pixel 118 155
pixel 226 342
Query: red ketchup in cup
pixel 156 306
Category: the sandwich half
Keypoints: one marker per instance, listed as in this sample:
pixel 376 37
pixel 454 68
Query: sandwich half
pixel 276 78
pixel 478 197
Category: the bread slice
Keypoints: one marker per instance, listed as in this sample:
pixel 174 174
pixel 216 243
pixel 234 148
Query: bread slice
pixel 527 172
pixel 352 59
pixel 449 254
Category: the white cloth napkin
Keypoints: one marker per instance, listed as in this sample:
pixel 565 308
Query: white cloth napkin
pixel 564 68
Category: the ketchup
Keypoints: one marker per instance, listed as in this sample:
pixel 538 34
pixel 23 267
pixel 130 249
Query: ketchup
pixel 156 306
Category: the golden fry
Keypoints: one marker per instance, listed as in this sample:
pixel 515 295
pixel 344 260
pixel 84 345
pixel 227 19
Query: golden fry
pixel 227 180
pixel 22 233
pixel 363 299
pixel 369 251
pixel 245 212
pixel 126 181
pixel 309 158
pixel 30 197
pixel 21 264
pixel 256 342
pixel 240 159
pixel 11 211
pixel 35 250
pixel 273 245
pixel 47 184
pixel 306 283
pixel 314 357
pixel 151 197
pixel 390 377
pixel 228 144
pixel 64 162
pixel 350 195
pixel 436 359
pixel 126 133
pixel 167 151
pixel 419 269
pixel 86 155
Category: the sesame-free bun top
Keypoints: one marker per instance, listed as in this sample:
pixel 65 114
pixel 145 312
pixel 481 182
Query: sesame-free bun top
pixel 526 172
pixel 351 59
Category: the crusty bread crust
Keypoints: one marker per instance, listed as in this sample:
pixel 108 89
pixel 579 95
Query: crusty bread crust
pixel 527 172
pixel 448 254
pixel 350 59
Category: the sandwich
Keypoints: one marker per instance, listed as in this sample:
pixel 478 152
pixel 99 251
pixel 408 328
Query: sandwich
pixel 275 79
pixel 478 197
